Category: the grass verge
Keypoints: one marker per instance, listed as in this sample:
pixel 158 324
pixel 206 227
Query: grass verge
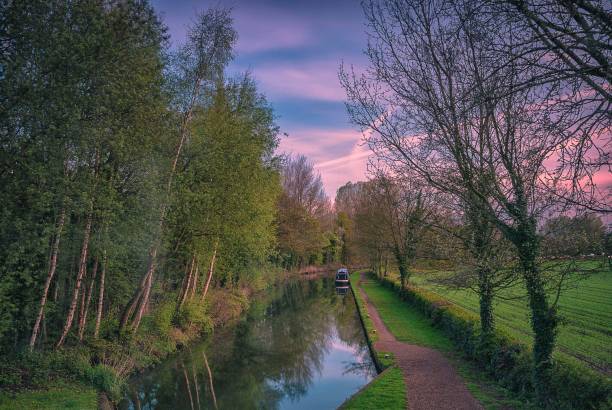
pixel 387 391
pixel 585 308
pixel 501 358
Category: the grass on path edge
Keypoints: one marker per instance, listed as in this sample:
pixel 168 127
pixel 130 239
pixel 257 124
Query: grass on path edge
pixel 388 389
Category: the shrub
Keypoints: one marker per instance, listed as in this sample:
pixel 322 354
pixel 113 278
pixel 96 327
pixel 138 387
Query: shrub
pixel 104 378
pixel 162 320
pixel 192 315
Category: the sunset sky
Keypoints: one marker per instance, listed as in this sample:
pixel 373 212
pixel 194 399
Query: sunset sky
pixel 294 49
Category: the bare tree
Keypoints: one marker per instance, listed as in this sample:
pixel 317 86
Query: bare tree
pixel 439 102
pixel 304 210
pixel 303 185
pixel 371 233
pixel 565 47
pixel 407 207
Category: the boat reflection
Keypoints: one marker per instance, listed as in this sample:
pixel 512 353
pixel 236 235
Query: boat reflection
pixel 342 290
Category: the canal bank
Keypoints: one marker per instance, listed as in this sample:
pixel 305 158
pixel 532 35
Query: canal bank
pixel 388 389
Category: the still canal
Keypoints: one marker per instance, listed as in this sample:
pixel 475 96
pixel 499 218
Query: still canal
pixel 299 347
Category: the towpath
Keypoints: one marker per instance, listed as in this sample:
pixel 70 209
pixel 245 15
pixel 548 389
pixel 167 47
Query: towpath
pixel 431 381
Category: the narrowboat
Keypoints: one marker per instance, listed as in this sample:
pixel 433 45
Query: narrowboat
pixel 342 276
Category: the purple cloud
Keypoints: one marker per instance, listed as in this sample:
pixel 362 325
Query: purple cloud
pixel 268 29
pixel 311 79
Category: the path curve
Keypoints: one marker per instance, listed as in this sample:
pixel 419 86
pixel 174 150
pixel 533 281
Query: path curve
pixel 431 381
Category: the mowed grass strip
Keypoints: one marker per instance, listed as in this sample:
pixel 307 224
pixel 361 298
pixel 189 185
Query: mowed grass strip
pixel 410 326
pixel 387 391
pixel 585 332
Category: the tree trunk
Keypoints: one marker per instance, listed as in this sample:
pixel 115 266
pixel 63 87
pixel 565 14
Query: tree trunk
pixel 402 265
pixel 386 266
pixel 543 317
pixel 485 293
pixel 133 303
pixel 543 322
pixel 83 321
pixel 144 300
pixel 50 275
pixel 147 281
pixel 194 287
pixel 100 296
pixel 187 287
pixel 82 306
pixel 210 271
pixel 77 287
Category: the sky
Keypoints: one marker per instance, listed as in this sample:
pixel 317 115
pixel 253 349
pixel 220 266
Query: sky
pixel 293 49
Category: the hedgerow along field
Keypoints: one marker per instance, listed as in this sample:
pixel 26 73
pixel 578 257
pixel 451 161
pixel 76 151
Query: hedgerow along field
pixel 584 334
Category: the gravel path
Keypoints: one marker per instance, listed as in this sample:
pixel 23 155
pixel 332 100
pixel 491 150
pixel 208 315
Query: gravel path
pixel 431 381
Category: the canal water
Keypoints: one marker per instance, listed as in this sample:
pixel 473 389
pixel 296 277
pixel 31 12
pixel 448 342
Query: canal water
pixel 299 347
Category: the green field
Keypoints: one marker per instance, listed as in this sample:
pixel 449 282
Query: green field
pixel 586 310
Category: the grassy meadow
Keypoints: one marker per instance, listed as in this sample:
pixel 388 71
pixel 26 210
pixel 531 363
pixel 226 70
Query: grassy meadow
pixel 585 332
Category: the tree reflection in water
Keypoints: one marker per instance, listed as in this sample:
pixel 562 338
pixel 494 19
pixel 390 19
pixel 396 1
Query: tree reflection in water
pixel 300 346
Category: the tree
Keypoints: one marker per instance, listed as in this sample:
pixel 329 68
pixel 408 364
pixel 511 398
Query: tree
pixel 226 188
pixel 565 236
pixel 442 103
pixel 65 156
pixel 345 204
pixel 371 233
pixel 407 207
pixel 303 210
pixel 564 46
pixel 198 63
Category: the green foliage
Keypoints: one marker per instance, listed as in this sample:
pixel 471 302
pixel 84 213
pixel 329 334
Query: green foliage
pixel 105 379
pixel 39 370
pixel 83 120
pixel 193 315
pixel 163 318
pixel 60 397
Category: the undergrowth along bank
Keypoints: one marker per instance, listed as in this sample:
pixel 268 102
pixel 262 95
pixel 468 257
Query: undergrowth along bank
pixel 106 363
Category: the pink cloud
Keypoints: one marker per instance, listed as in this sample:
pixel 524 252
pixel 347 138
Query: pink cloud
pixel 339 155
pixel 350 167
pixel 316 80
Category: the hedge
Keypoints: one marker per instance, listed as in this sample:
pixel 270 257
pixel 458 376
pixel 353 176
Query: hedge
pixel 507 361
